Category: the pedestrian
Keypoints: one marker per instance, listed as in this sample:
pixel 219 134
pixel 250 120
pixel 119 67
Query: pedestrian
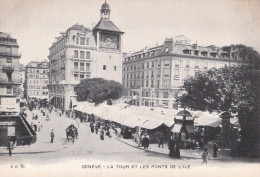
pixel 102 134
pixel 146 141
pixel 215 150
pixel 161 139
pixel 92 127
pixel 52 136
pixel 205 156
pixel 10 147
pixel 96 128
pixel 171 147
pixel 177 151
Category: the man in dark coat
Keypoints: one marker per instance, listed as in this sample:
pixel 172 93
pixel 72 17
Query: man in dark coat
pixel 215 150
pixel 171 146
pixel 177 151
pixel 161 138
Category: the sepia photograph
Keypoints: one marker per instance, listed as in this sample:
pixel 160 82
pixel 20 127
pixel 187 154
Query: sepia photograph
pixel 129 88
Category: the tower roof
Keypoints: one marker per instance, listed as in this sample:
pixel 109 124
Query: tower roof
pixel 105 6
pixel 107 25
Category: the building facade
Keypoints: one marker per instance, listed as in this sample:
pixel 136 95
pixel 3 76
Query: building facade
pixel 36 80
pixel 153 76
pixel 81 53
pixel 9 70
pixel 22 79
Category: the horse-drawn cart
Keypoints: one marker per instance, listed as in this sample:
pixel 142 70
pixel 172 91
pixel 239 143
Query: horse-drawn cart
pixel 71 133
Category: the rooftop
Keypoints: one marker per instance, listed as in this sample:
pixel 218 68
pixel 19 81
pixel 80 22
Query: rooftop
pixel 107 25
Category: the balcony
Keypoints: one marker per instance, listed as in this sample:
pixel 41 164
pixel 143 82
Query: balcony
pixel 10 54
pixel 8 68
pixel 10 81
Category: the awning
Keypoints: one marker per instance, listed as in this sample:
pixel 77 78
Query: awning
pixel 176 128
pixel 208 120
pixel 151 124
pixel 190 128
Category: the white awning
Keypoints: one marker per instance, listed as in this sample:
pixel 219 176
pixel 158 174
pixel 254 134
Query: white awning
pixel 151 124
pixel 176 128
pixel 208 120
pixel 190 128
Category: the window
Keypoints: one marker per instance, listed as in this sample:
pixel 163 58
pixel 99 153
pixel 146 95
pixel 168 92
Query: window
pixel 152 83
pixel 196 52
pixel 187 63
pixel 177 63
pixel 114 68
pixel 82 41
pixel 165 95
pixel 147 83
pixel 76 65
pixel 104 67
pixel 166 72
pixel 186 51
pixel 9 90
pixel 206 65
pixel 37 71
pixel 81 66
pixel 76 54
pixel 204 54
pixel 196 64
pixel 81 76
pixel 176 74
pixel 87 66
pixel 153 64
pixel 82 54
pixel 9 61
pixel 87 41
pixel 76 76
pixel 87 55
pixel 147 65
pixel 77 40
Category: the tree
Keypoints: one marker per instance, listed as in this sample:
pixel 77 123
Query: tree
pixel 229 89
pixel 98 90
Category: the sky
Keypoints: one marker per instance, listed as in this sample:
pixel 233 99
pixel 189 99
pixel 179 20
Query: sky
pixel 36 23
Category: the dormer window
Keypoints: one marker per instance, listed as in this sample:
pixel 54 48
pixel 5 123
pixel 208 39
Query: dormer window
pixel 186 51
pixel 204 53
pixel 196 52
pixel 213 54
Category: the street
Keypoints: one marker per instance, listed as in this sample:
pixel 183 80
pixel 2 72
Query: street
pixel 88 147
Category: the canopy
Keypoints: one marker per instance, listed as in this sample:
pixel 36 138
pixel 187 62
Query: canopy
pixel 151 124
pixel 177 128
pixel 208 120
pixel 190 128
pixel 184 113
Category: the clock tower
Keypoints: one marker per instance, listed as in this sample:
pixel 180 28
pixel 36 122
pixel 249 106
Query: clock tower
pixel 108 39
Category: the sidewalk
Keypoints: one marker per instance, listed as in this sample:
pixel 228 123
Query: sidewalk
pixel 42 144
pixel 185 153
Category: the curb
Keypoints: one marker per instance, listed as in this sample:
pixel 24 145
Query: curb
pixel 150 151
pixel 40 152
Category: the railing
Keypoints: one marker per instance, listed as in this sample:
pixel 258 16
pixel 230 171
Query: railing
pixel 13 81
pixel 10 54
pixel 8 68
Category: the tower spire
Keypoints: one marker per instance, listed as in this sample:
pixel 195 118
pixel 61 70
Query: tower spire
pixel 105 11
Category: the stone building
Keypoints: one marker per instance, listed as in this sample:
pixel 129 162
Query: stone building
pixel 9 70
pixel 36 80
pixel 153 76
pixel 81 53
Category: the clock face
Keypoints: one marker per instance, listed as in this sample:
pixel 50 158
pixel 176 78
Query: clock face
pixel 166 50
pixel 108 40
